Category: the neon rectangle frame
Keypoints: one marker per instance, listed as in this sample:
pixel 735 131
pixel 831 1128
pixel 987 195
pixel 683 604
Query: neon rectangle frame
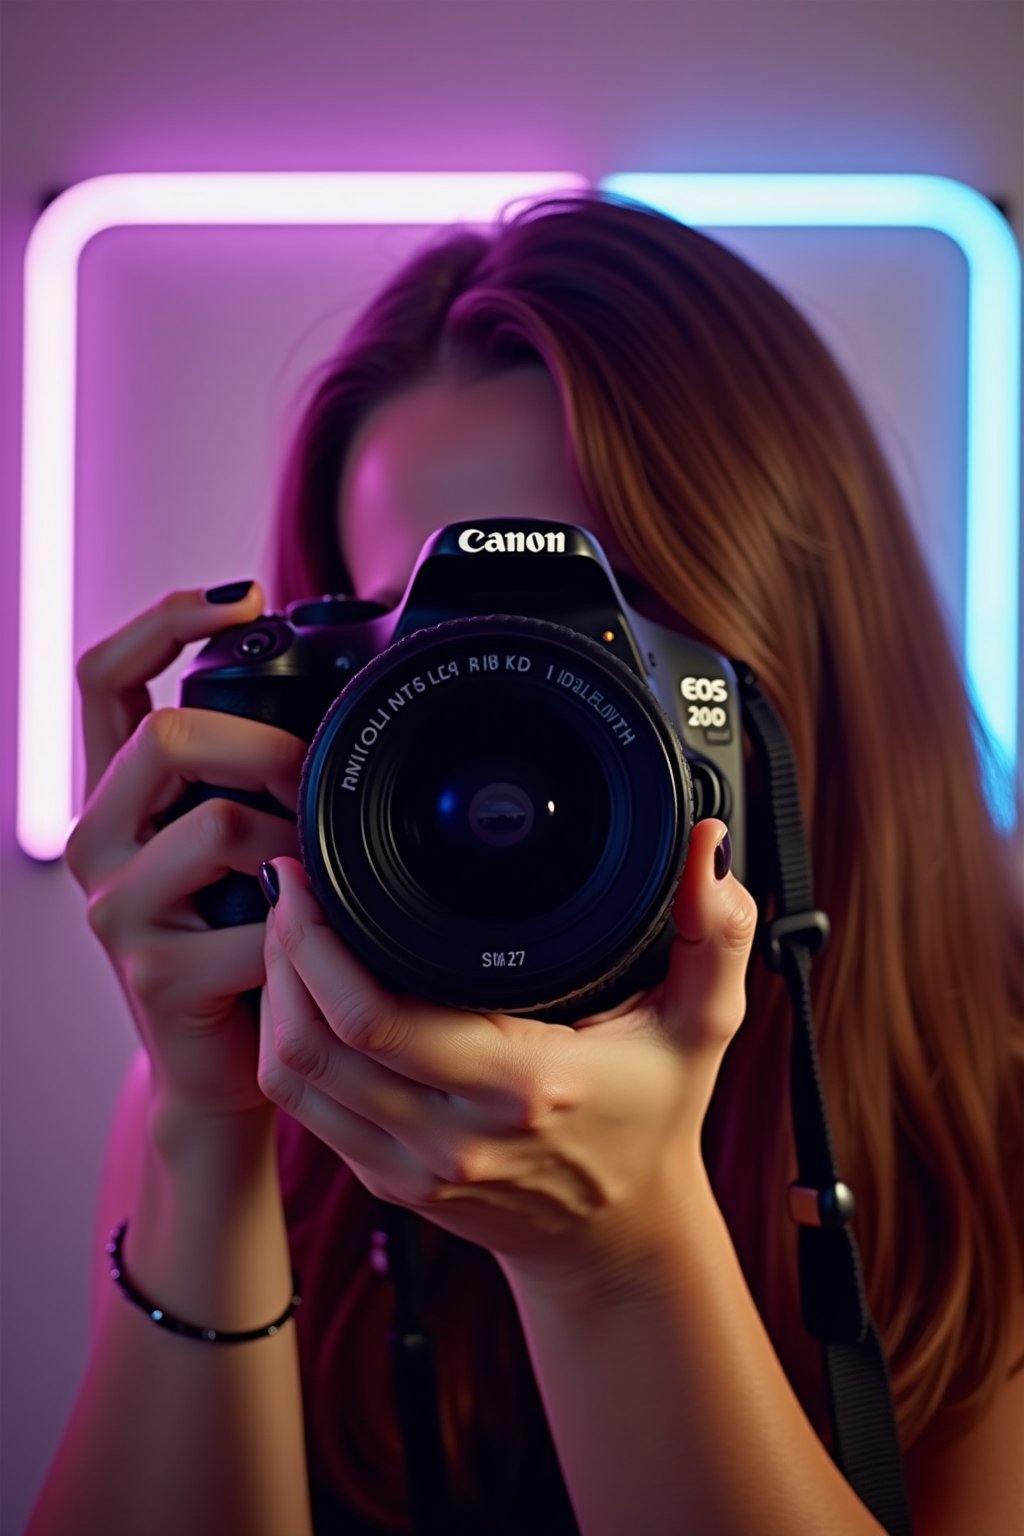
pixel 46 663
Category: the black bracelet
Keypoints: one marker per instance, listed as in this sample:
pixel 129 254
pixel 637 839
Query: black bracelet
pixel 174 1324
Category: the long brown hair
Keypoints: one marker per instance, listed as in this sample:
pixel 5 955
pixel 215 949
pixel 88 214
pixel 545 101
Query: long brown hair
pixel 709 425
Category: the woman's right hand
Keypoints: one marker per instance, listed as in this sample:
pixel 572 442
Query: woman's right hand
pixel 182 979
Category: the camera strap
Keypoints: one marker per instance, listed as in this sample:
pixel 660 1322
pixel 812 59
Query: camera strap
pixel 412 1370
pixel 865 1444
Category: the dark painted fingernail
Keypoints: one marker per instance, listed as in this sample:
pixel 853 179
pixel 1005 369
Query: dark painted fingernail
pixel 230 592
pixel 723 857
pixel 270 885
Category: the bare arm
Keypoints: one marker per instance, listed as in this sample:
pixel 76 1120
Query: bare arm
pixel 167 1434
pixel 665 1395
pixel 670 1409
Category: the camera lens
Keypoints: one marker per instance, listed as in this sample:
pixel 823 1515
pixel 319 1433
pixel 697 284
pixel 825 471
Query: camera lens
pixel 498 811
pixel 494 814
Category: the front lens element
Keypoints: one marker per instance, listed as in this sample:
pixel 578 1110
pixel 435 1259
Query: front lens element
pixel 501 810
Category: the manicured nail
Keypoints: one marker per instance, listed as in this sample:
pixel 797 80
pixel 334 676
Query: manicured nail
pixel 723 857
pixel 270 885
pixel 230 592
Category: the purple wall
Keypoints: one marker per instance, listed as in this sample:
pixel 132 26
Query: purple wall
pixel 176 432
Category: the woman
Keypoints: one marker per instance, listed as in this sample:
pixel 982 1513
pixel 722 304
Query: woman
pixel 605 1224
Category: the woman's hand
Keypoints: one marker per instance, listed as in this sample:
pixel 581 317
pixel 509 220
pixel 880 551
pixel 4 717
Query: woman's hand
pixel 558 1148
pixel 181 979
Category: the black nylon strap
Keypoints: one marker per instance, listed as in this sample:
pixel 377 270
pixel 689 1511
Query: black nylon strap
pixel 834 1305
pixel 832 1297
pixel 413 1374
pixel 856 1376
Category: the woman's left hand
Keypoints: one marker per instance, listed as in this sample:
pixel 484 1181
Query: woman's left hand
pixel 557 1147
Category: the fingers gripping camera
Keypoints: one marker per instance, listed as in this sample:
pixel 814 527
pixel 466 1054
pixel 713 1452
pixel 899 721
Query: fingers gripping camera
pixel 503 770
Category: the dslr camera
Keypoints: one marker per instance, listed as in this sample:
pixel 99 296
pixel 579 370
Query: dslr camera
pixel 503 770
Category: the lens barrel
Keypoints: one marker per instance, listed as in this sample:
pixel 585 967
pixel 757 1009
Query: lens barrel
pixel 494 814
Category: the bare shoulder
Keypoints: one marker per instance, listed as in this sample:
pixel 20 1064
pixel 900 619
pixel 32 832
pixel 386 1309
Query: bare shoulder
pixel 122 1165
pixel 975 1483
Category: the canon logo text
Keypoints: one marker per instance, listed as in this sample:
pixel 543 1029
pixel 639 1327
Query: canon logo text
pixel 473 540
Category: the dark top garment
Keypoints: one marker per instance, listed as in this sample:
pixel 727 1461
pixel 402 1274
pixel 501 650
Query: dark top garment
pixel 504 1434
pixel 331 1519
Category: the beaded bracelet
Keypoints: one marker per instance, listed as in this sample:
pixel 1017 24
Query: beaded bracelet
pixel 175 1324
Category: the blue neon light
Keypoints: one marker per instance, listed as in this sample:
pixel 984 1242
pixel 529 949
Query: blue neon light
pixel 992 578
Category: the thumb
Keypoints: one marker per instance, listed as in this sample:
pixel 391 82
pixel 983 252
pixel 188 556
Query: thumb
pixel 716 918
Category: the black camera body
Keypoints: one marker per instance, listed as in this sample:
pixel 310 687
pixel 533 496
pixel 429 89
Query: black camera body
pixel 503 770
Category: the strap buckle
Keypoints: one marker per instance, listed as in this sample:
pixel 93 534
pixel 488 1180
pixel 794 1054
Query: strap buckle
pixel 829 1207
pixel 810 928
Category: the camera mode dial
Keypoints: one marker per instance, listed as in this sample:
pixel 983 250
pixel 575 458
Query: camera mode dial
pixel 332 608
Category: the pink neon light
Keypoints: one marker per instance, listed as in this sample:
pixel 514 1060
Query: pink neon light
pixel 46 671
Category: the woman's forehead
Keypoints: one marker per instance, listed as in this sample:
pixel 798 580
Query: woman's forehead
pixel 442 453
